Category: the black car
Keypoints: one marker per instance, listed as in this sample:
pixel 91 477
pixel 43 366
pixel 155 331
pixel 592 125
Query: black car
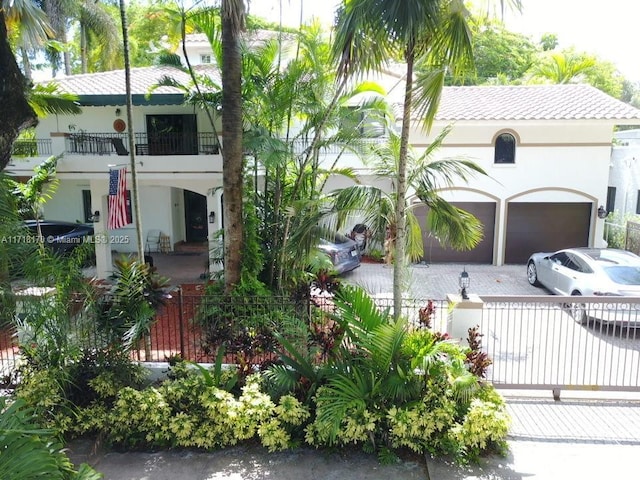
pixel 61 237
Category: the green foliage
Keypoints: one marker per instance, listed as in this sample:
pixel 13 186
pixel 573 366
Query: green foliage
pixel 138 292
pixel 484 427
pixel 226 379
pixel 244 321
pixel 29 451
pixel 615 232
pixel 497 51
pixel 34 193
pixel 187 412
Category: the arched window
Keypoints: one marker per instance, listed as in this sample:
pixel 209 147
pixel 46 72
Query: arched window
pixel 505 151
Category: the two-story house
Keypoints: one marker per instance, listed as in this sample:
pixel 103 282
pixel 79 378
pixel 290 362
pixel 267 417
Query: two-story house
pixel 546 150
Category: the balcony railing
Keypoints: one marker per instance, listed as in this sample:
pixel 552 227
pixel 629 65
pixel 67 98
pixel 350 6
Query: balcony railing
pixel 145 144
pixel 32 148
pixel 184 144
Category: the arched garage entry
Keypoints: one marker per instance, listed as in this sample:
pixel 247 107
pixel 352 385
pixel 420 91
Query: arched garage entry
pixel 545 227
pixel 435 252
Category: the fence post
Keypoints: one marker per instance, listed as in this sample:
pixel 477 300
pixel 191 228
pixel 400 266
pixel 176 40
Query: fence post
pixel 181 326
pixel 463 315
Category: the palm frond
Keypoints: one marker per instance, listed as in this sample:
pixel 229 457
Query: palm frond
pixel 32 452
pixel 453 226
pixel 341 395
pixel 47 99
pixel 358 312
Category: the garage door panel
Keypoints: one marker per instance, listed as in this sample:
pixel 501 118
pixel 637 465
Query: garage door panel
pixel 545 227
pixel 434 252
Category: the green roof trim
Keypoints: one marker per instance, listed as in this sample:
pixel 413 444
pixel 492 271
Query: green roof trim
pixel 137 99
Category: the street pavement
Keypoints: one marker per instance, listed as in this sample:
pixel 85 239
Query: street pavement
pixel 583 436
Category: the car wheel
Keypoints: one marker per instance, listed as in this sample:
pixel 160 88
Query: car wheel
pixel 578 310
pixel 532 274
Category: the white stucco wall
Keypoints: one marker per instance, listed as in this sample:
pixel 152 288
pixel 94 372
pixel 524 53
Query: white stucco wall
pixel 624 175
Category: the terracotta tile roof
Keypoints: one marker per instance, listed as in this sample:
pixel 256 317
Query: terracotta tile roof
pixel 532 102
pixel 142 79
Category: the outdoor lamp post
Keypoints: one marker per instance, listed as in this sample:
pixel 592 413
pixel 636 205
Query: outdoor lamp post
pixel 464 282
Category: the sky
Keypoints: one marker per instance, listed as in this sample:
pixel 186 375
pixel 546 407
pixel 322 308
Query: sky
pixel 607 30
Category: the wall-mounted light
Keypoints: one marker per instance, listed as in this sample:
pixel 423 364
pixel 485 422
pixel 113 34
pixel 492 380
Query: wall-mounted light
pixel 212 217
pixel 464 282
pixel 602 212
pixel 95 218
pixel 118 112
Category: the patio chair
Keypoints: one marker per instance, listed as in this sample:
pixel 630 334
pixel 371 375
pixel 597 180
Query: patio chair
pixel 119 146
pixel 153 241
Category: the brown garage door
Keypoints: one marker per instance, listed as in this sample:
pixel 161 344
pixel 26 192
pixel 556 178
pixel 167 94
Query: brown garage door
pixel 434 252
pixel 545 227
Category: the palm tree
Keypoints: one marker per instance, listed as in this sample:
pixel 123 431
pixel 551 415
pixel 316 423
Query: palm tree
pixel 563 67
pixel 134 179
pixel 27 23
pixel 97 26
pixel 434 32
pixel 426 178
pixel 232 12
pixel 12 97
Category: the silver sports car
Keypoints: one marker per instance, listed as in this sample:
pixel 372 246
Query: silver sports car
pixel 591 272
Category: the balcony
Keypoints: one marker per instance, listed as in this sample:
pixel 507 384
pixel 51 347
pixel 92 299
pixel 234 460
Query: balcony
pixel 32 148
pixel 145 144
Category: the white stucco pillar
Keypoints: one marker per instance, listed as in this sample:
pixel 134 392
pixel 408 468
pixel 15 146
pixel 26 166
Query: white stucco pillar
pixel 99 202
pixel 499 233
pixel 463 315
pixel 214 204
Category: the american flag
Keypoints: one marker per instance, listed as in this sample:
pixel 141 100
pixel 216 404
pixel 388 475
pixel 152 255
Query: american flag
pixel 117 199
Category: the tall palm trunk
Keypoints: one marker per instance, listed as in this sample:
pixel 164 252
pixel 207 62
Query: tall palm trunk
pixel 232 24
pixel 134 177
pixel 401 189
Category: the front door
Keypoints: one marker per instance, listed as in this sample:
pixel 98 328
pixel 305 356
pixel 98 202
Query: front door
pixel 195 213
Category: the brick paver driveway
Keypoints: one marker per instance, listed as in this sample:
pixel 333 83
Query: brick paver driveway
pixel 436 281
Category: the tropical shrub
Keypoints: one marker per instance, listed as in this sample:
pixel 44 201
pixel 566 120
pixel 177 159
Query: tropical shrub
pixel 615 231
pixel 127 314
pixel 29 451
pixel 385 387
pixel 187 411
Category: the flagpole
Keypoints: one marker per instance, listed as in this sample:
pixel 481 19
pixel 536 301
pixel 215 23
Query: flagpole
pixel 134 176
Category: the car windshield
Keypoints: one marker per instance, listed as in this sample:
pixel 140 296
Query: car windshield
pixel 623 275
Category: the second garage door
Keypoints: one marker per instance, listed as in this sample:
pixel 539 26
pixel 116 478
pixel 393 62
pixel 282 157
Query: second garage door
pixel 434 252
pixel 545 227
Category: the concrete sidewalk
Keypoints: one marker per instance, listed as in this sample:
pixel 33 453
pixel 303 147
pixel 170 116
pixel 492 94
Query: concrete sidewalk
pixel 582 439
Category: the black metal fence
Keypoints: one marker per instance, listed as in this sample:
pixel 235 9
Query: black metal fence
pixel 188 325
pixel 539 342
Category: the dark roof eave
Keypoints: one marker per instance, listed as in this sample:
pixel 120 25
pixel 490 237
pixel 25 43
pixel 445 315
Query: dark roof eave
pixel 137 99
